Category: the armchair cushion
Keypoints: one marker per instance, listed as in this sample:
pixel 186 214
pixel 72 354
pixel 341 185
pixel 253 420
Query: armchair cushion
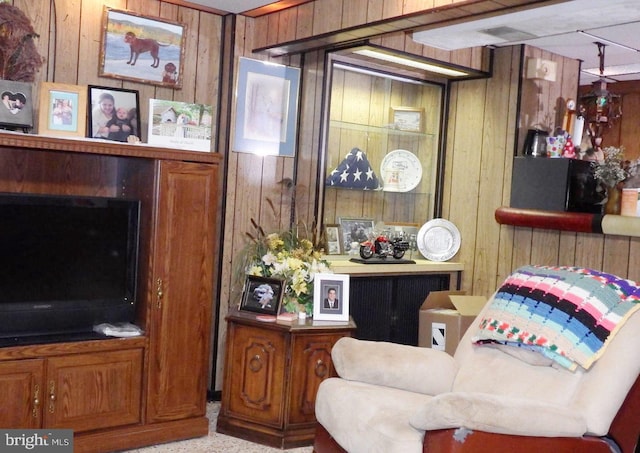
pixel 415 369
pixel 498 414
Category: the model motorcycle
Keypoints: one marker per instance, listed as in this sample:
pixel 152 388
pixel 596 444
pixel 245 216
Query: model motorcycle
pixel 383 247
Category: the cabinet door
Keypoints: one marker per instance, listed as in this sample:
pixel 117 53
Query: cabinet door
pixel 22 393
pixel 311 365
pixel 254 374
pixel 93 391
pixel 182 266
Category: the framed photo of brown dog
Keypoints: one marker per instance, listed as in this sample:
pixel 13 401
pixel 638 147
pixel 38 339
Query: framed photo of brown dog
pixel 142 49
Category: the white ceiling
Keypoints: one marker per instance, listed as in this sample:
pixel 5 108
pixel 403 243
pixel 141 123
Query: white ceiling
pixel 232 6
pixel 557 29
pixel 569 29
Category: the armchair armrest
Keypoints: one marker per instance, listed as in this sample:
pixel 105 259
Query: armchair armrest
pixel 411 368
pixel 498 414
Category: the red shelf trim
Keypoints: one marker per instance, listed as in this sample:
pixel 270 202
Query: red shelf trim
pixel 551 220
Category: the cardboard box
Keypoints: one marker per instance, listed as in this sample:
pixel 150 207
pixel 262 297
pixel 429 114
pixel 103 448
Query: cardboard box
pixel 444 318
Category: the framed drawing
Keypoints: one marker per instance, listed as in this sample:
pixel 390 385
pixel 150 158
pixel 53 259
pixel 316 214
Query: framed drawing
pixel 331 297
pixel 266 108
pixel 114 113
pixel 142 49
pixel 180 125
pixel 262 295
pixel 354 230
pixel 408 119
pixel 63 109
pixel 332 239
pixel 17 109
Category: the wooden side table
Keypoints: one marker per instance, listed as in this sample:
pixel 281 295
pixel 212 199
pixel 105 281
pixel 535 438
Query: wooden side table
pixel 272 373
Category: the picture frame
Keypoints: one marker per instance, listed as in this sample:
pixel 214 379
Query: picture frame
pixel 142 48
pixel 332 238
pixel 16 111
pixel 63 109
pixel 408 119
pixel 354 230
pixel 266 124
pixel 262 295
pixel 118 127
pixel 331 297
pixel 409 231
pixel 180 125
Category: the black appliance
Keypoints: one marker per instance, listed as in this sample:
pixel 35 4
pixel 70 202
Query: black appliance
pixel 554 184
pixel 66 263
pixel 535 143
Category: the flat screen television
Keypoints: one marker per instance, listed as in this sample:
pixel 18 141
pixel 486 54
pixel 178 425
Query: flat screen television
pixel 67 263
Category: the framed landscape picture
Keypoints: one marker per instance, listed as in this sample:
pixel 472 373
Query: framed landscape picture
pixel 142 49
pixel 180 125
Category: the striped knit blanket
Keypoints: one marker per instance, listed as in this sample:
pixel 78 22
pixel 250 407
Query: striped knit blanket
pixel 568 314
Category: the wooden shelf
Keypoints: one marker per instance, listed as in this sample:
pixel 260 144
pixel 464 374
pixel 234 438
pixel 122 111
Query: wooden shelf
pixel 103 147
pixel 580 222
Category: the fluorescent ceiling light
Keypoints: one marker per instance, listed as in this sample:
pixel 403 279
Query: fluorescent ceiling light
pixel 410 62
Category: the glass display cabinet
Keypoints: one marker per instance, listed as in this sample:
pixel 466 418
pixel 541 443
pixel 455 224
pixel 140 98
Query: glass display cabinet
pixel 382 146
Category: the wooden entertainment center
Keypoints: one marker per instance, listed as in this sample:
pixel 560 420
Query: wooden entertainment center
pixel 124 393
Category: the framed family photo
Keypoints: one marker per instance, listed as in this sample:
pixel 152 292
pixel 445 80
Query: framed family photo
pixel 262 295
pixel 114 113
pixel 266 108
pixel 331 297
pixel 63 109
pixel 142 49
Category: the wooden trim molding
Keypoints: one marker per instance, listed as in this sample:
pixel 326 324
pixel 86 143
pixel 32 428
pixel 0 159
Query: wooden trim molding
pixel 579 222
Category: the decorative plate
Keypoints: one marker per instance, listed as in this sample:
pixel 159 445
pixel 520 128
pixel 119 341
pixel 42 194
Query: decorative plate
pixel 438 240
pixel 401 171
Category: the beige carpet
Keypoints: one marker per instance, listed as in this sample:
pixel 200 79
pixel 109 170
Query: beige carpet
pixel 216 443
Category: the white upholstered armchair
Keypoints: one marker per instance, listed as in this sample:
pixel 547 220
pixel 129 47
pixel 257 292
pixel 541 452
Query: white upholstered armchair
pixel 551 363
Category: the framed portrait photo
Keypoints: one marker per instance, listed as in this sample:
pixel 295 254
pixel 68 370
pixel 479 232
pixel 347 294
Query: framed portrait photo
pixel 331 297
pixel 63 109
pixel 266 108
pixel 16 110
pixel 114 113
pixel 332 239
pixel 408 119
pixel 262 295
pixel 142 49
pixel 355 230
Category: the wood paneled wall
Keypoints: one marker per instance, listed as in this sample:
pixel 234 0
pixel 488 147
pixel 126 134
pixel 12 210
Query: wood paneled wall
pixel 479 149
pixel 70 40
pixel 626 130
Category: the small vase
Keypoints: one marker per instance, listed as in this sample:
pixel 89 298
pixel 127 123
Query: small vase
pixel 614 198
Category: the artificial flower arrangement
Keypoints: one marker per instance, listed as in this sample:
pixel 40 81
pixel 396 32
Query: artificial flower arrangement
pixel 611 171
pixel 287 256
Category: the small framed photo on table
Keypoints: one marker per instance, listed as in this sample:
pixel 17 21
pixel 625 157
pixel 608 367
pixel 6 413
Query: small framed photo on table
pixel 407 119
pixel 332 239
pixel 63 109
pixel 262 295
pixel 354 231
pixel 331 297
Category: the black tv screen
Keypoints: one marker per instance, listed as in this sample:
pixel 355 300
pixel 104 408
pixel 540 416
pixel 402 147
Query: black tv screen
pixel 67 263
